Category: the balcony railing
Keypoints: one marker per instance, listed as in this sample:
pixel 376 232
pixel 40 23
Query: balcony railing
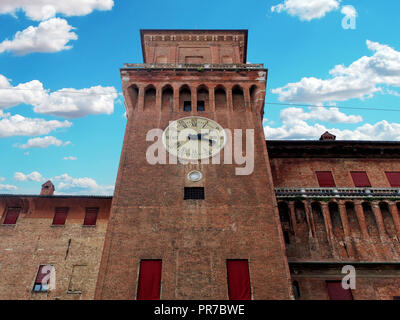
pixel 386 193
pixel 193 66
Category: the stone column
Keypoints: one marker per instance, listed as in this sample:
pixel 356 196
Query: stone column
pixel 194 98
pixel 229 99
pixel 293 216
pixel 176 98
pixel 310 218
pixel 247 99
pixel 327 221
pixel 158 98
pixel 141 99
pixel 211 98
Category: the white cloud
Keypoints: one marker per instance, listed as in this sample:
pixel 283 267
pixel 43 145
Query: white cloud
pixel 70 158
pixel 44 142
pixel 307 9
pixel 349 11
pixel 2 179
pixel 18 125
pixel 331 114
pixel 361 79
pixel 84 185
pixel 67 102
pixel 8 187
pixel 44 9
pixel 73 103
pixel 295 126
pixel 33 176
pixel 49 36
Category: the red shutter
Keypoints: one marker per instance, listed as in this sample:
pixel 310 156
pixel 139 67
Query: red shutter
pixel 60 216
pixel 394 179
pixel 11 215
pixel 41 274
pixel 360 179
pixel 149 280
pixel 325 179
pixel 336 291
pixel 90 216
pixel 238 280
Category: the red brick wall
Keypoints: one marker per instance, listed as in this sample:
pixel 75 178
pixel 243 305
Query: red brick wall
pixel 33 241
pixel 301 172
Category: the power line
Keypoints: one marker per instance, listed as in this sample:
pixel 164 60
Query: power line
pixel 330 106
pixel 270 103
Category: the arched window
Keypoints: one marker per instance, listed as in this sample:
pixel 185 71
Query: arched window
pixel 336 220
pixel 150 98
pixel 238 99
pixel 185 99
pixel 167 99
pixel 370 220
pixel 133 93
pixel 220 98
pixel 286 224
pixel 387 219
pixel 253 97
pixel 202 99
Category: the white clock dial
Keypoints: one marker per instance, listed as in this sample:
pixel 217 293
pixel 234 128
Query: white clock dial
pixel 194 138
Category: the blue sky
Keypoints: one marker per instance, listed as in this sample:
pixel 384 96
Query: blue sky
pixel 61 110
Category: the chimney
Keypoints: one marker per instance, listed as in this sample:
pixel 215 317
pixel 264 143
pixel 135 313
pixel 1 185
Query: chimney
pixel 47 189
pixel 327 136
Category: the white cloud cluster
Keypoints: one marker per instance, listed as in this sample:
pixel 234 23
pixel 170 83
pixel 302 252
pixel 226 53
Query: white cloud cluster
pixel 81 185
pixel 18 125
pixel 67 102
pixel 307 9
pixel 49 36
pixel 33 176
pixel 8 187
pixel 45 9
pixel 361 79
pixel 44 142
pixel 74 103
pixel 71 158
pixel 295 126
pixel 331 114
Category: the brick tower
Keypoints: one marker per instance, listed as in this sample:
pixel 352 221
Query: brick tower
pixel 192 243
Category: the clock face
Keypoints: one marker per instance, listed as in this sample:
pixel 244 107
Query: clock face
pixel 194 138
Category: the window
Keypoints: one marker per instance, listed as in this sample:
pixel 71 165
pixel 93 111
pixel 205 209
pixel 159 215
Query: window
pixel 336 291
pixel 187 106
pixel 77 281
pixel 296 290
pixel 325 179
pixel 238 280
pixel 11 216
pixel 394 179
pixel 43 278
pixel 60 216
pixel 200 106
pixel 149 284
pixel 360 179
pixel 194 193
pixel 91 216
